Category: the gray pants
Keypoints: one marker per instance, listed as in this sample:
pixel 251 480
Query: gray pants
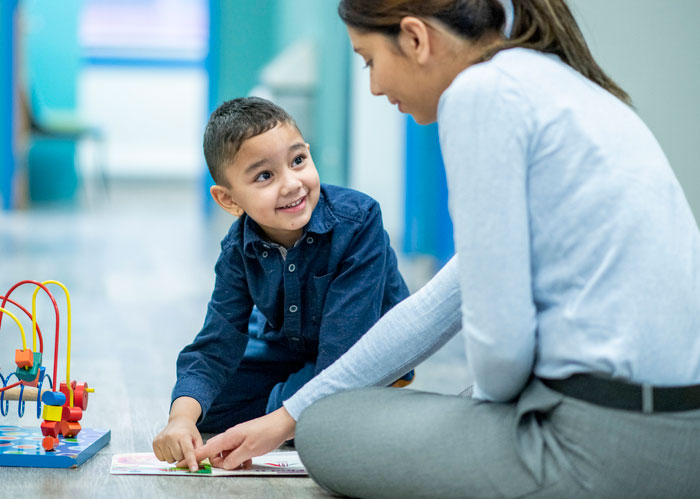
pixel 380 442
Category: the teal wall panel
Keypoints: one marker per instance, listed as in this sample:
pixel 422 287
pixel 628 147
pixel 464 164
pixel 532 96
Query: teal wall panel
pixel 52 52
pixel 318 20
pixel 245 36
pixel 53 61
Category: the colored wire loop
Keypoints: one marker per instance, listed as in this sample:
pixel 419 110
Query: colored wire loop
pixel 68 333
pixel 53 384
pixel 19 325
pixel 6 298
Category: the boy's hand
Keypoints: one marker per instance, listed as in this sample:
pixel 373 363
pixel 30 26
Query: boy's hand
pixel 179 439
pixel 237 445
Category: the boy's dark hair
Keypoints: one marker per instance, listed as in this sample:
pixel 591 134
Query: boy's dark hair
pixel 234 122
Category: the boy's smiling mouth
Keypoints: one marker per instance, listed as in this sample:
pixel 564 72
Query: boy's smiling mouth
pixel 295 206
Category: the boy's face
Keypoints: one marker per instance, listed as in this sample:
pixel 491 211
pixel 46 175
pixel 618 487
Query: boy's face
pixel 274 180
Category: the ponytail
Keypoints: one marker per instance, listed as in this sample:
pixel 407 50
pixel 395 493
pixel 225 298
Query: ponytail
pixel 548 26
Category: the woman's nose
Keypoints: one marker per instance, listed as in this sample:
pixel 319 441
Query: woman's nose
pixel 373 87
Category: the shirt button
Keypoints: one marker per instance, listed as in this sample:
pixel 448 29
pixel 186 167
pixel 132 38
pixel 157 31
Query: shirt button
pixel 264 254
pixel 293 308
pixel 292 267
pixel 309 239
pixel 295 338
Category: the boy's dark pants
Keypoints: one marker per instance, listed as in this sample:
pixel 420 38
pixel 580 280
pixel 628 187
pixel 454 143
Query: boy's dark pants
pixel 269 373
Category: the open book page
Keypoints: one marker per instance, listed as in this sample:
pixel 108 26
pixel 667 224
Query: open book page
pixel 280 463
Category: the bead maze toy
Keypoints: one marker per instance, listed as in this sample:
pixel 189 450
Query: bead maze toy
pixel 60 441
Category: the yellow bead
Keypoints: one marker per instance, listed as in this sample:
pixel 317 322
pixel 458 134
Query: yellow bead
pixel 52 412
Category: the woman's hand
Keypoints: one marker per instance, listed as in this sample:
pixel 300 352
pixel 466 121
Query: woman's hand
pixel 237 445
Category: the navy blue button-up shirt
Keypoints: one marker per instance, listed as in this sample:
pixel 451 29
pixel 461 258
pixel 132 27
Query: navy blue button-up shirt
pixel 334 284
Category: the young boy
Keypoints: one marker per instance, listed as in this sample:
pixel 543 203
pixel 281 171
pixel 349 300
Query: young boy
pixel 314 260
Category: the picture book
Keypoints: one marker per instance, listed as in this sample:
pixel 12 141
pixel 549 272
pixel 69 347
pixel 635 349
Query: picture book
pixel 279 463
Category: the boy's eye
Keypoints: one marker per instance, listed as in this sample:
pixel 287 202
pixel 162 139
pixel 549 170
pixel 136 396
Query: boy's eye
pixel 263 176
pixel 298 160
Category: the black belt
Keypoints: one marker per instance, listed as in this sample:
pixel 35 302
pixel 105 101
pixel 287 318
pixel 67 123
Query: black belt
pixel 628 396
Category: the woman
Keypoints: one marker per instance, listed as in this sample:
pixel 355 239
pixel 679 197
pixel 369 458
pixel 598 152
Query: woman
pixel 578 270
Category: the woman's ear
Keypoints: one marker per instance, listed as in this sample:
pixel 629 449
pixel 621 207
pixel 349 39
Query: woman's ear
pixel 223 198
pixel 414 39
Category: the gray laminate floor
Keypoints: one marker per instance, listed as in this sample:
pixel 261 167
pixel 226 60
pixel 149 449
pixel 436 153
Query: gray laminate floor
pixel 139 266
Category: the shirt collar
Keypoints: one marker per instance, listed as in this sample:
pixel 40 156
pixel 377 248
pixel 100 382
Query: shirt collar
pixel 322 221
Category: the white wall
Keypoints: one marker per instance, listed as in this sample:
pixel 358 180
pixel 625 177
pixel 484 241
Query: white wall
pixel 152 118
pixel 377 144
pixel 650 48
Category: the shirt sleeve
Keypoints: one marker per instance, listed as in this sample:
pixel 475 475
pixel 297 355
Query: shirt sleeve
pixel 485 130
pixel 403 338
pixel 355 297
pixel 218 348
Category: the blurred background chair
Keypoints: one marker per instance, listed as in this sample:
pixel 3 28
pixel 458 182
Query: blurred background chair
pixel 55 168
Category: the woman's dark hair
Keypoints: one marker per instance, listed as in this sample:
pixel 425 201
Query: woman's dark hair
pixel 234 122
pixel 543 25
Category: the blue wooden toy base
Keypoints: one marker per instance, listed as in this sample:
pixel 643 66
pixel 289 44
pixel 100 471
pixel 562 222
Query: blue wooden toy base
pixel 21 446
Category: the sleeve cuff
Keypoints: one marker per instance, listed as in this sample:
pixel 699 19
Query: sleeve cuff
pixel 294 407
pixel 195 388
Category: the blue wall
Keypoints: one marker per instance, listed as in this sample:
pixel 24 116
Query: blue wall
pixel 428 228
pixel 7 157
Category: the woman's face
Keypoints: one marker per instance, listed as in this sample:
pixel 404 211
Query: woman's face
pixel 397 75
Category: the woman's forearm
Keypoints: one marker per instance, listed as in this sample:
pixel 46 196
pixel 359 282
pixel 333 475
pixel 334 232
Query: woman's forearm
pixel 405 336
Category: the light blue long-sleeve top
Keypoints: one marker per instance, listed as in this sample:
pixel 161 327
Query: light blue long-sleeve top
pixel 577 249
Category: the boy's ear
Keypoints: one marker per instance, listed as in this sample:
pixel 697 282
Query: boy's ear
pixel 414 39
pixel 223 198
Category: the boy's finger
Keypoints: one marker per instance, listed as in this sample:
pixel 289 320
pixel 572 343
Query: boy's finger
pixel 174 452
pixel 188 455
pixel 166 456
pixel 158 454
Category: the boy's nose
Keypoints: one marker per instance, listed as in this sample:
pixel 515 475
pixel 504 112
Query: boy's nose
pixel 291 184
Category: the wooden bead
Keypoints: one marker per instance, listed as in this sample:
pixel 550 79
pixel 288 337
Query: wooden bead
pixel 50 428
pixel 49 443
pixel 70 429
pixel 72 414
pixel 52 413
pixel 24 358
pixel 53 398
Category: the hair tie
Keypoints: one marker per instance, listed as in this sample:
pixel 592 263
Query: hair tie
pixel 508 7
